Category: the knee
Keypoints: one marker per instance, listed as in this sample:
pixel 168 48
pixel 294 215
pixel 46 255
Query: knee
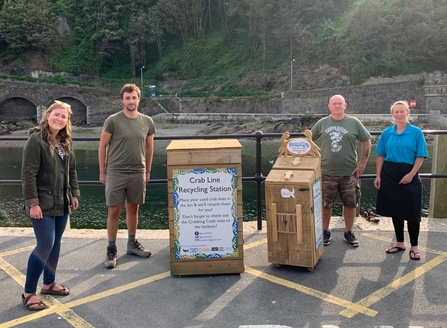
pixel 114 212
pixel 132 208
pixel 43 249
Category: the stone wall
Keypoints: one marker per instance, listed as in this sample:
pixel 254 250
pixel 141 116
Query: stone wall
pixel 368 99
pixel 27 101
pixel 91 106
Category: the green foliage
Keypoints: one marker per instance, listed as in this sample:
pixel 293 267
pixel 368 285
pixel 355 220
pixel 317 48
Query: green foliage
pixel 223 39
pixel 78 59
pixel 11 18
pixel 55 79
pixel 28 25
pixel 119 70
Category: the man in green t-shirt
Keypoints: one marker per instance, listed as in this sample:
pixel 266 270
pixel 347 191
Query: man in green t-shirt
pixel 337 135
pixel 125 152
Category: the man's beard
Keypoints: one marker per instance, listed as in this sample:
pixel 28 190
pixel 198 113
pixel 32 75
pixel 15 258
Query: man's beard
pixel 131 109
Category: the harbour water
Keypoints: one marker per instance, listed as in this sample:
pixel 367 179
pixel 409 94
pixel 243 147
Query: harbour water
pixel 154 213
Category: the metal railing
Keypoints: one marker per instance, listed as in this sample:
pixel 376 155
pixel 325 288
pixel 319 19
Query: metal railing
pixel 258 177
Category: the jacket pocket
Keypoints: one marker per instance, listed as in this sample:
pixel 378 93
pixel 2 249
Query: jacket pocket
pixel 46 198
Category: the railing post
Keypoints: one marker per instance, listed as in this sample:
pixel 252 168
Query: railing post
pixel 438 188
pixel 259 178
pixel 359 150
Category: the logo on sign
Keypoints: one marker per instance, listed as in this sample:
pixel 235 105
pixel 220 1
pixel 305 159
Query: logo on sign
pixel 298 146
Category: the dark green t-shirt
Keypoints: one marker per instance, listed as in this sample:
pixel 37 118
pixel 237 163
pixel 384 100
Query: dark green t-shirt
pixel 337 140
pixel 127 147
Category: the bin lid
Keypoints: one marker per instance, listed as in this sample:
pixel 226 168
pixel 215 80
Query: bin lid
pixel 297 163
pixel 289 177
pixel 203 144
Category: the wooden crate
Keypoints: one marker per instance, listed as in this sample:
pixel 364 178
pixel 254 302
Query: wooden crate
pixel 299 163
pixel 205 178
pixel 294 218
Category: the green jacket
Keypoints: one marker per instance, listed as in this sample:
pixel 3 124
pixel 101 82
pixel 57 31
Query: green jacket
pixel 47 180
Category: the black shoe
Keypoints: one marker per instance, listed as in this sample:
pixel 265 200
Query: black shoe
pixel 110 261
pixel 350 239
pixel 327 237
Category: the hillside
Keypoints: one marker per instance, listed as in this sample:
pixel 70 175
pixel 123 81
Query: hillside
pixel 223 48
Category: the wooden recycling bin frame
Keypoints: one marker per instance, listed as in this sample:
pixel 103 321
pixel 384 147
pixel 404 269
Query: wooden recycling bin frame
pixel 205 207
pixel 294 218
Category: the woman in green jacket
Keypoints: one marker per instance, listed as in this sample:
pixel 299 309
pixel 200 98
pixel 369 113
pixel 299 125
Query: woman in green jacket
pixel 50 189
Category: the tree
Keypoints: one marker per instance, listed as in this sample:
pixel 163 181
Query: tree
pixel 28 25
pixel 183 18
pixel 11 18
pixel 155 27
pixel 40 26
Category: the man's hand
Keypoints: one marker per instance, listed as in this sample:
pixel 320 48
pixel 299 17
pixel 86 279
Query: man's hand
pixel 102 177
pixel 359 170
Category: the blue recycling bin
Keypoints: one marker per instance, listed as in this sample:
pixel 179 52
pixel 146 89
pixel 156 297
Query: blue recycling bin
pixel 153 90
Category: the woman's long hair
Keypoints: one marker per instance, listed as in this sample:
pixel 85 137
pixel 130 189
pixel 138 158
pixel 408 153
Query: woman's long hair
pixel 64 135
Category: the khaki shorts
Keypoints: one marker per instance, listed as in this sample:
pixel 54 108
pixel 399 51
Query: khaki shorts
pixel 347 187
pixel 125 187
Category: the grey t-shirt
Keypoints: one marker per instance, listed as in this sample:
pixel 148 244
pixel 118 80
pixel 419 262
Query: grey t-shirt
pixel 127 147
pixel 337 140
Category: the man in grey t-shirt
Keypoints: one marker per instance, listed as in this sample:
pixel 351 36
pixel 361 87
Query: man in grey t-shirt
pixel 337 135
pixel 126 148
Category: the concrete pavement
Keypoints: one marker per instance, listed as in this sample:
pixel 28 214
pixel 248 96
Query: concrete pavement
pixel 349 287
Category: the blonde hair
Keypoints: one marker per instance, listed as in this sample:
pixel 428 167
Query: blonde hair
pixel 403 103
pixel 64 135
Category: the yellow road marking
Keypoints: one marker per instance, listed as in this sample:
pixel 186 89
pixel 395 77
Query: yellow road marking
pixel 351 309
pixel 358 308
pixel 118 290
pixel 64 310
pixel 393 286
pixel 67 314
pixel 12 272
pixel 17 251
pixel 421 248
pixel 255 244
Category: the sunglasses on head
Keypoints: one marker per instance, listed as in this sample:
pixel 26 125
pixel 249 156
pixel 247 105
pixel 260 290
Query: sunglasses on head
pixel 61 103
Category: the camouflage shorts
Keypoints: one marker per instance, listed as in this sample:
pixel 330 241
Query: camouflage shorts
pixel 347 187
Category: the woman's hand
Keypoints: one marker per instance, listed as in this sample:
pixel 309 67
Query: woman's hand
pixel 377 182
pixel 35 212
pixel 407 178
pixel 74 203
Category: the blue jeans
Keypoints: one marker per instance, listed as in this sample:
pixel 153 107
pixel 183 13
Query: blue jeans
pixel 45 256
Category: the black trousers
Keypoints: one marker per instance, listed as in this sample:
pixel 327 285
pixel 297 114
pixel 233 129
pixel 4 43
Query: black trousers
pixel 413 231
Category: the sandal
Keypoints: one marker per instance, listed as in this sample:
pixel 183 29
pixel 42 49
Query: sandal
pixel 29 306
pixel 394 249
pixel 416 256
pixel 50 290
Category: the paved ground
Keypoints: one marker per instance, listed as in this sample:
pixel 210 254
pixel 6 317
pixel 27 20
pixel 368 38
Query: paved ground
pixel 349 287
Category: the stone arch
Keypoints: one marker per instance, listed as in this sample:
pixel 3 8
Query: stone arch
pixel 16 108
pixel 79 116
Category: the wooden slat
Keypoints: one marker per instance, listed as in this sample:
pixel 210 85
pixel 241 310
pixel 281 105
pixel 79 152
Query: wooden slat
pixel 274 223
pixel 299 224
pixel 204 157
